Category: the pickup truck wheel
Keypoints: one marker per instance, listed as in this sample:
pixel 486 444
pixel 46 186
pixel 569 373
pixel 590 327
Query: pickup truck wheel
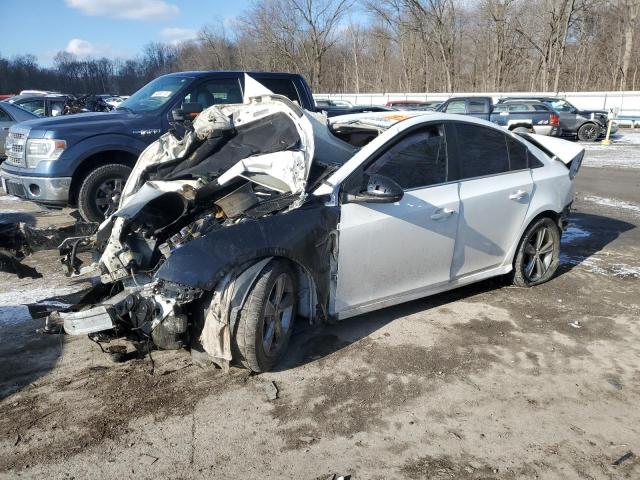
pixel 522 130
pixel 266 320
pixel 100 191
pixel 588 132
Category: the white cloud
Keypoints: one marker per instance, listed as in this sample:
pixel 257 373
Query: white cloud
pixel 129 9
pixel 176 34
pixel 83 48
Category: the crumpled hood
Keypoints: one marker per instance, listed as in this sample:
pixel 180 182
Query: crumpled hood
pixel 268 143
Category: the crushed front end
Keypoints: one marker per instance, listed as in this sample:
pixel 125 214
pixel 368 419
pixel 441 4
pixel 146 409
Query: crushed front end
pixel 234 166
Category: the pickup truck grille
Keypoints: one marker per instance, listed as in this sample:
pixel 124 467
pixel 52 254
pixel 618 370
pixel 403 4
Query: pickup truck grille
pixel 15 146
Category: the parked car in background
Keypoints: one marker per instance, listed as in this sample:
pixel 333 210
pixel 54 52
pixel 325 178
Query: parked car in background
pixel 524 116
pixel 230 247
pixel 412 105
pixel 115 101
pixel 84 160
pixel 360 109
pixel 9 115
pixel 5 96
pixel 586 125
pixel 42 104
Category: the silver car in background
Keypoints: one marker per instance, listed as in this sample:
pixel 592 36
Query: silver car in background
pixel 10 115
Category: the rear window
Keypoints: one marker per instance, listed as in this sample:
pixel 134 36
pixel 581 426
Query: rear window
pixel 540 107
pixel 281 86
pixel 476 106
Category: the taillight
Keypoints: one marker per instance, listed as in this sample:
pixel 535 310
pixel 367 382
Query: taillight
pixel 555 120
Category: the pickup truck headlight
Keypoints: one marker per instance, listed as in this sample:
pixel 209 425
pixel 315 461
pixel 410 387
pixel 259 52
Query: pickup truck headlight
pixel 39 149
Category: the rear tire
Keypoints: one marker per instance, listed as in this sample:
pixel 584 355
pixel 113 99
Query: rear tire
pixel 100 191
pixel 522 130
pixel 538 254
pixel 265 323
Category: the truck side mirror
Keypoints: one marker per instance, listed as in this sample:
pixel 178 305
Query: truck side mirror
pixel 187 111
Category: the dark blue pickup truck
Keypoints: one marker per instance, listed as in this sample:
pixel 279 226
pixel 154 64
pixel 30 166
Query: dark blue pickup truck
pixel 84 160
pixel 527 116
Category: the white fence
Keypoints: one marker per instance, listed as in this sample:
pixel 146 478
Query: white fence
pixel 625 104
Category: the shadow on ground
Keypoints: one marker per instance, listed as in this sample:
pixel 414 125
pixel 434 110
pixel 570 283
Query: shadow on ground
pixel 310 343
pixel 601 232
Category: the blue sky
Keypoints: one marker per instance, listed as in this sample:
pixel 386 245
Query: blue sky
pixel 112 28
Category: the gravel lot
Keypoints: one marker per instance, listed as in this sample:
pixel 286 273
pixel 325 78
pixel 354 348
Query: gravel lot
pixel 484 382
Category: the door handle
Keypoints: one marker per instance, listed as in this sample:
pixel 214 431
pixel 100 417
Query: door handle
pixel 519 195
pixel 442 213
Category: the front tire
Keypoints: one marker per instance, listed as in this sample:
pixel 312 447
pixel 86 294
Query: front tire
pixel 588 132
pixel 538 254
pixel 265 323
pixel 100 191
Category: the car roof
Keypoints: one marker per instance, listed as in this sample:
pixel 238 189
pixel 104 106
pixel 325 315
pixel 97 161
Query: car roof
pixel 207 73
pixel 28 96
pixel 16 111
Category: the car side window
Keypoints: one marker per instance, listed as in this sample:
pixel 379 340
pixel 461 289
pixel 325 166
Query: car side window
pixel 4 116
pixel 417 160
pixel 518 154
pixel 476 106
pixel 482 150
pixel 456 106
pixel 34 106
pixel 214 92
pixel 518 107
pixel 281 86
pixel 57 107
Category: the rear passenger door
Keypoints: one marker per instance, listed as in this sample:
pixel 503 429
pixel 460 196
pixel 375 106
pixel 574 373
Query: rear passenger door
pixel 495 190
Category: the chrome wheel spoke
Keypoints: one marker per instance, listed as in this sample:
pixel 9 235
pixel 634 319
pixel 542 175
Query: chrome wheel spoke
pixel 267 339
pixel 540 238
pixel 528 269
pixel 546 248
pixel 539 267
pixel 269 310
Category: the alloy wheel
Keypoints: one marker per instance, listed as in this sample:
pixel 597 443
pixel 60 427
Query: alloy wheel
pixel 278 315
pixel 538 254
pixel 590 132
pixel 107 195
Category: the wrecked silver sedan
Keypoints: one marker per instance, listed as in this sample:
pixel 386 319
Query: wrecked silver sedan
pixel 258 214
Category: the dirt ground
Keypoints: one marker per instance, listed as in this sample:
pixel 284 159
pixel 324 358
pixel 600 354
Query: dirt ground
pixel 485 382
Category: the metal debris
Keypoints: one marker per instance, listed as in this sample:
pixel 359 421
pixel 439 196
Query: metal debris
pixel 271 389
pixel 623 458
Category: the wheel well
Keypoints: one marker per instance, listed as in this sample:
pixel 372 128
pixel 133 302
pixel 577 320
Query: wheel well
pixel 528 126
pixel 99 159
pixel 307 294
pixel 555 216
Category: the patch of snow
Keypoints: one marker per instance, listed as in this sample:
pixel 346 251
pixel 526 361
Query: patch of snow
pixel 13 305
pixel 613 203
pixel 572 233
pixel 9 198
pixel 599 267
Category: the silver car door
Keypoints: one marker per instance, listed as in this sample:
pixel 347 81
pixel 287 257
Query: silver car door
pixel 389 250
pixel 495 193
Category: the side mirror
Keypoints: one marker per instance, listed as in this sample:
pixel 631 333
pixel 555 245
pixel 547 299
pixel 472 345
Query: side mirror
pixel 379 189
pixel 188 111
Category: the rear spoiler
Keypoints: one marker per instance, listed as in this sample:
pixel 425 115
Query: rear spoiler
pixel 569 153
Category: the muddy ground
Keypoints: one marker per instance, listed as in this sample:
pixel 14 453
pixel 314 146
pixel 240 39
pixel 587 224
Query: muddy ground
pixel 485 382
